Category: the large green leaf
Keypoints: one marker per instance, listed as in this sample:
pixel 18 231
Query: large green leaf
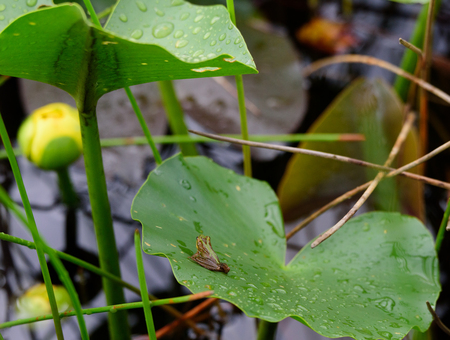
pixel 370 107
pixel 369 281
pixel 143 41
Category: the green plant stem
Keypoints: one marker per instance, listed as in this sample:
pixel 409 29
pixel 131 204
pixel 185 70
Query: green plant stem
pixel 54 259
pixel 175 115
pixel 442 228
pixel 98 196
pixel 143 284
pixel 242 109
pixel 33 229
pixel 66 188
pixel 298 137
pixel 409 60
pixel 83 264
pixel 144 126
pixel 111 309
pixel 267 330
pixel 1 337
pixel 101 215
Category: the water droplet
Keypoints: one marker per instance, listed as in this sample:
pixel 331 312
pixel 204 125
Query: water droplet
pixel 366 227
pixel 205 69
pixel 184 16
pixel 228 41
pixel 359 289
pixel 196 30
pixel 387 304
pixel 198 227
pixel 212 43
pixel 141 6
pixel 257 300
pixel 219 50
pixel 159 12
pixel 237 41
pixel 222 37
pixel 230 26
pixel 241 45
pixel 137 34
pixel 207 35
pixel 162 30
pixel 232 293
pixel 31 3
pixel 198 53
pixel 178 34
pixel 192 198
pixel 272 217
pixel 123 18
pixel 210 55
pixel 181 43
pixel 185 184
pixel 113 310
pixel 177 2
pixel 214 20
pixel 198 18
pixel 2 7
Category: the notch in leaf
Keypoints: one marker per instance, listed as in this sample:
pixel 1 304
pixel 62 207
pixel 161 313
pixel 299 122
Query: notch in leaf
pixel 207 257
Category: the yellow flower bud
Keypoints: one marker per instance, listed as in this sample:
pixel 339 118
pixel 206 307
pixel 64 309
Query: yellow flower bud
pixel 34 302
pixel 50 137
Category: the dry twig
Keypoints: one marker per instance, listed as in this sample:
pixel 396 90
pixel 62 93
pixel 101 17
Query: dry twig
pixel 410 46
pixel 424 179
pixel 362 59
pixel 353 192
pixel 438 320
pixel 395 149
pixel 189 315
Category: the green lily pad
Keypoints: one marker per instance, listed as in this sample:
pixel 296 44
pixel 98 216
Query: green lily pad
pixel 366 106
pixel 143 41
pixel 369 281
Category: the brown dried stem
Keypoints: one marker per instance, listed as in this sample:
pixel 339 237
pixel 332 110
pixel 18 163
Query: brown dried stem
pixel 403 172
pixel 362 59
pixel 353 192
pixel 410 46
pixel 438 320
pixel 189 315
pixel 425 70
pixel 395 149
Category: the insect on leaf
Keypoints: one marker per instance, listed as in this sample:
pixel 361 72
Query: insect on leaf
pixel 207 257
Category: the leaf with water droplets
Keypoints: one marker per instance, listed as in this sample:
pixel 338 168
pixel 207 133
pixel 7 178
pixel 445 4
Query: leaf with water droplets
pixel 369 281
pixel 143 41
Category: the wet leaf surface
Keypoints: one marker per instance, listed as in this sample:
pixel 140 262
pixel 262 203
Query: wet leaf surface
pixel 369 281
pixel 141 43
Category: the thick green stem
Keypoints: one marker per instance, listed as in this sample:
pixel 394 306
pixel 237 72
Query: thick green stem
pixel 101 215
pixel 33 229
pixel 144 126
pixel 442 228
pixel 66 188
pixel 175 115
pixel 144 291
pixel 267 330
pixel 409 60
pixel 242 109
pixel 113 309
pixel 244 128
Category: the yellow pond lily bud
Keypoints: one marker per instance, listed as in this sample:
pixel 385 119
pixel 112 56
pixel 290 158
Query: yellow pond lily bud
pixel 34 302
pixel 50 137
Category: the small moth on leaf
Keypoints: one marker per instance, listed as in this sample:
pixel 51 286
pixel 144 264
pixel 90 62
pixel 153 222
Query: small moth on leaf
pixel 206 256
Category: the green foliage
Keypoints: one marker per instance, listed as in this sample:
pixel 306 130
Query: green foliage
pixel 369 281
pixel 141 43
pixel 370 107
